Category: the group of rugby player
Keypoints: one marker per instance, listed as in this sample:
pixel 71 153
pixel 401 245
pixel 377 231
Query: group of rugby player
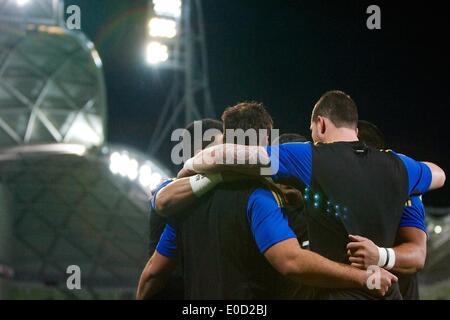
pixel 340 217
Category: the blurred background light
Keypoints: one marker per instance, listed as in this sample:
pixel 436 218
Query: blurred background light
pixel 114 163
pixel 157 52
pixel 21 3
pixel 145 174
pixel 148 175
pixel 123 165
pixel 171 8
pixel 163 28
pixel 133 167
pixel 155 180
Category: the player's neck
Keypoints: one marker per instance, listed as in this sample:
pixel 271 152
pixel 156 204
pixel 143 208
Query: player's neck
pixel 342 135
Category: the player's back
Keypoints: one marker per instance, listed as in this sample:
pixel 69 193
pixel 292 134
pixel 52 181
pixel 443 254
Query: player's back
pixel 220 257
pixel 354 190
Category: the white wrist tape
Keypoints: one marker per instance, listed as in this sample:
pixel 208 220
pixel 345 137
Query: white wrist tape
pixel 386 258
pixel 203 184
pixel 382 257
pixel 189 164
pixel 391 263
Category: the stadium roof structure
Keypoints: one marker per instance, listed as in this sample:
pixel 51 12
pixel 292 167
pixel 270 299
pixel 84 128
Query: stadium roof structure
pixel 66 198
pixel 438 255
pixel 42 12
pixel 61 205
pixel 51 87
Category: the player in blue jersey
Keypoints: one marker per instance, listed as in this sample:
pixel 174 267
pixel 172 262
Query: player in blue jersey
pixel 334 128
pixel 411 242
pixel 331 122
pixel 274 240
pixel 174 288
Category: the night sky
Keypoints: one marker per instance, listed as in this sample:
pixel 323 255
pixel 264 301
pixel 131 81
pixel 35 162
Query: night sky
pixel 286 54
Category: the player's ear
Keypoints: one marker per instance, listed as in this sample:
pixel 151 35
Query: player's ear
pixel 322 125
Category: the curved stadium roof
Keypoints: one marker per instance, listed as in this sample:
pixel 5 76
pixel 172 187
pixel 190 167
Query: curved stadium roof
pixel 51 87
pixel 62 206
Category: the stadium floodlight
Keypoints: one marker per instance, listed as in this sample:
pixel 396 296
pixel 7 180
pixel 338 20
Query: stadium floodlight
pixel 133 167
pixel 21 3
pixel 157 52
pixel 155 180
pixel 148 175
pixel 149 179
pixel 115 160
pixel 171 8
pixel 123 165
pixel 145 175
pixel 163 28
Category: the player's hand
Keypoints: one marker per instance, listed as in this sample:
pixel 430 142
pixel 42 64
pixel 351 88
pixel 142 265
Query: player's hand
pixel 379 282
pixel 184 173
pixel 362 252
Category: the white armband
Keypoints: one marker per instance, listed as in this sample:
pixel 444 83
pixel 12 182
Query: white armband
pixel 189 164
pixel 201 184
pixel 391 256
pixel 386 258
pixel 382 257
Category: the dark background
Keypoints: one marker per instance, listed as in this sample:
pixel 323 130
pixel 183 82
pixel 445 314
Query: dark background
pixel 286 54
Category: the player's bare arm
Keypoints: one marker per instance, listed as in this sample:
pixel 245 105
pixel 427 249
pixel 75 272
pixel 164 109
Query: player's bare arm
pixel 410 251
pixel 312 269
pixel 155 276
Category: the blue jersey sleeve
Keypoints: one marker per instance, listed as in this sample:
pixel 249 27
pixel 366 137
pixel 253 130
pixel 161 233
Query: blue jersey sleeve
pixel 292 160
pixel 158 188
pixel 268 223
pixel 419 175
pixel 167 245
pixel 414 214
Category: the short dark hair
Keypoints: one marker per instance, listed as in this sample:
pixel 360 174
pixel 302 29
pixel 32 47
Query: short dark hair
pixel 207 124
pixel 371 135
pixel 339 107
pixel 290 138
pixel 245 116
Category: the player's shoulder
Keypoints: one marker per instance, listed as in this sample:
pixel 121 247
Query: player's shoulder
pixel 412 166
pixel 415 201
pixel 297 145
pixel 396 154
pixel 407 161
pixel 393 152
pixel 292 148
pixel 293 145
pixel 265 197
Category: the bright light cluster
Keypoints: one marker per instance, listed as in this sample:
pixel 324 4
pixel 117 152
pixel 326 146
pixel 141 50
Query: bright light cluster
pixel 157 52
pixel 163 28
pixel 122 164
pixel 171 8
pixel 21 3
pixel 438 229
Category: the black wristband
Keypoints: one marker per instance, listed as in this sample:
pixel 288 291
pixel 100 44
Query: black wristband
pixel 387 257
